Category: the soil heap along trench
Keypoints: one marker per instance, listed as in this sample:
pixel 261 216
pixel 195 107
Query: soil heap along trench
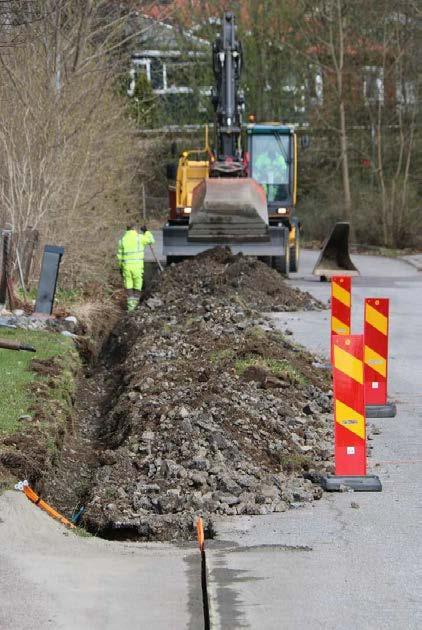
pixel 199 407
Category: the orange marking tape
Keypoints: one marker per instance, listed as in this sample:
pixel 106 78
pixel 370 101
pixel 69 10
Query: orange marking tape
pixel 200 533
pixel 36 499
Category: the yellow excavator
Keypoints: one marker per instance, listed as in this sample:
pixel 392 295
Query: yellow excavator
pixel 242 192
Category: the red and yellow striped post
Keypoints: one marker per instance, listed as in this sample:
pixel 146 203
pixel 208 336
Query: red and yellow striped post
pixel 349 417
pixel 341 307
pixel 376 326
pixel 349 405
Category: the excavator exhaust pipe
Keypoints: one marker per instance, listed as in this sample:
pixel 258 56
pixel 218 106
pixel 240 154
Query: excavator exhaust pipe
pixel 334 258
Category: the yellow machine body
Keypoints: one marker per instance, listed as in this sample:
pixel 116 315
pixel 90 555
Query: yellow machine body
pixel 190 173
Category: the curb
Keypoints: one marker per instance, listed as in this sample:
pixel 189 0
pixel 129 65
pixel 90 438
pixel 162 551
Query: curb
pixel 414 260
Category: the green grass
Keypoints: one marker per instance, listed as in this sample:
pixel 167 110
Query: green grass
pixel 82 533
pixel 64 297
pixel 295 462
pixel 221 356
pixel 278 367
pixel 16 376
pixel 277 335
pixel 256 332
pixel 390 253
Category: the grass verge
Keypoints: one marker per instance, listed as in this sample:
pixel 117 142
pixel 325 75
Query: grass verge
pixel 16 376
pixel 36 399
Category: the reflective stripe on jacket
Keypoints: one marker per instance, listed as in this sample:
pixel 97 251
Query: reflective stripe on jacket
pixel 131 247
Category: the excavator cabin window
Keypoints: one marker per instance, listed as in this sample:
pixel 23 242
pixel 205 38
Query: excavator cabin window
pixel 270 162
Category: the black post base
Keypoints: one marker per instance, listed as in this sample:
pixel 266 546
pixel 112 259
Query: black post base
pixel 367 483
pixel 381 411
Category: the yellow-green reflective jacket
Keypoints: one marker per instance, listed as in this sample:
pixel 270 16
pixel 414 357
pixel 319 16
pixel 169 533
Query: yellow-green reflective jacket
pixel 131 247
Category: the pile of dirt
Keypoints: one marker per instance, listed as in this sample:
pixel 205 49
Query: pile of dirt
pixel 213 412
pixel 246 280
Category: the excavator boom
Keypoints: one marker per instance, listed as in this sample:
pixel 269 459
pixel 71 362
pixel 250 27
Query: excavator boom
pixel 227 206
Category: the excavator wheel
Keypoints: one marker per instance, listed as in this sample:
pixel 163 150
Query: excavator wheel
pixel 294 254
pixel 282 263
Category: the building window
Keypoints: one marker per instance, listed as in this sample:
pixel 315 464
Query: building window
pixel 157 78
pixel 406 93
pixel 373 85
pixel 178 74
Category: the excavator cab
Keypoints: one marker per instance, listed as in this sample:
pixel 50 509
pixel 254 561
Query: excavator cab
pixel 271 158
pixel 272 162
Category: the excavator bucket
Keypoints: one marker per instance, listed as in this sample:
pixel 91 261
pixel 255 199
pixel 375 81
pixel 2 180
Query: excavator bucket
pixel 229 210
pixel 334 258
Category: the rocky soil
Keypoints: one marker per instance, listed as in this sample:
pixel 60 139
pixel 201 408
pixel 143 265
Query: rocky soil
pixel 203 408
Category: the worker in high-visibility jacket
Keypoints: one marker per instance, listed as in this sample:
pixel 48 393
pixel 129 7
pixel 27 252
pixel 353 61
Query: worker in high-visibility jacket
pixel 130 256
pixel 270 169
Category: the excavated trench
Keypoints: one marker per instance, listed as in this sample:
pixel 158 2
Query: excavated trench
pixel 68 486
pixel 195 406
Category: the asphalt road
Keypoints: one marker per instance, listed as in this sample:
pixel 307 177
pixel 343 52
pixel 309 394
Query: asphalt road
pixel 51 579
pixel 332 566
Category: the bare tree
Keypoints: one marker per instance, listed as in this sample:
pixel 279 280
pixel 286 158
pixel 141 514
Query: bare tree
pixel 322 34
pixel 393 110
pixel 70 157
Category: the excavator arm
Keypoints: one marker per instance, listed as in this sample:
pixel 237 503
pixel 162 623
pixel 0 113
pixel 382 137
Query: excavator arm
pixel 228 100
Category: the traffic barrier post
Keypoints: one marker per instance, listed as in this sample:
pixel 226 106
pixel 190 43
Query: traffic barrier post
pixel 349 418
pixel 376 327
pixel 341 307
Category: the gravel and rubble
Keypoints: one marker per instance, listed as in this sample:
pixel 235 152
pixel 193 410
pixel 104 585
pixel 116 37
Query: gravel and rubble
pixel 89 323
pixel 38 321
pixel 215 412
